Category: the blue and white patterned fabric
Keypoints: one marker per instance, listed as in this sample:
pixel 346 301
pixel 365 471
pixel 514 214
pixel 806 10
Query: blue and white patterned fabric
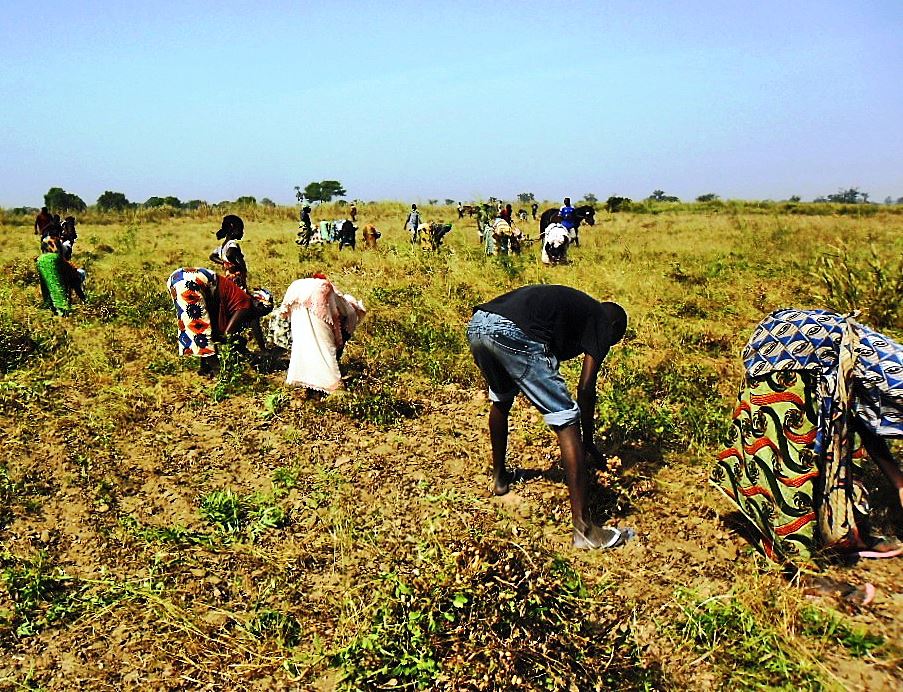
pixel 813 340
pixel 859 373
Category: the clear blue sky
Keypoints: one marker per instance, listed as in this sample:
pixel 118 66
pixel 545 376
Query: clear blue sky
pixel 412 100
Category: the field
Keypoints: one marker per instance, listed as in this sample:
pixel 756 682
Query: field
pixel 162 531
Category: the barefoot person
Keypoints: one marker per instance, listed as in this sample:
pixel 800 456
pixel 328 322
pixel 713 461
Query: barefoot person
pixel 816 383
pixel 517 341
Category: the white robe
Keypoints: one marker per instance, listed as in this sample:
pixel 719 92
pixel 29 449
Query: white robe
pixel 317 313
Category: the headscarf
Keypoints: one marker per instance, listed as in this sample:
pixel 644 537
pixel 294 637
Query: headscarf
pixel 232 226
pixel 263 301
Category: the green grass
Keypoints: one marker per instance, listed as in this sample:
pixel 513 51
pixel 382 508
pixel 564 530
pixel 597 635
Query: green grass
pixel 262 537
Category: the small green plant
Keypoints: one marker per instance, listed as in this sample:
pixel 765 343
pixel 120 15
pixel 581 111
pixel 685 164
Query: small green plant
pixel 275 625
pixel 286 477
pixel 274 403
pixel 232 513
pixel 225 509
pixel 231 372
pixel 41 593
pixel 749 653
pixel 831 626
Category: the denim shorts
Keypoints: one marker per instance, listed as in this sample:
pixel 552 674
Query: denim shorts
pixel 512 362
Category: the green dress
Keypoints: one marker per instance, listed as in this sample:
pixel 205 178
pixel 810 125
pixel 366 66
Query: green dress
pixel 53 288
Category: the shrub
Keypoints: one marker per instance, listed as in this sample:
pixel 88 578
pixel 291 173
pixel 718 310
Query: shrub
pixel 873 285
pixel 21 341
pixel 490 616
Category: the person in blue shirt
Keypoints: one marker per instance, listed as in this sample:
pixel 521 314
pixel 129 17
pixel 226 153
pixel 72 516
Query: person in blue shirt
pixel 569 219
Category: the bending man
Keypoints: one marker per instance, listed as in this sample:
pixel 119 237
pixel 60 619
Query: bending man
pixel 518 341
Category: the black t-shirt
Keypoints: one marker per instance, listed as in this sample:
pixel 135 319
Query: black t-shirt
pixel 567 320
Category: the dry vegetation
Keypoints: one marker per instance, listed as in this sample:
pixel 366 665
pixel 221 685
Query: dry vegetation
pixel 159 531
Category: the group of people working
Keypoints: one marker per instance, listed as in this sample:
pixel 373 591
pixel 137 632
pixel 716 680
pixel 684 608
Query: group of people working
pixel 342 231
pixel 820 392
pixel 427 235
pixel 58 276
pixel 499 234
pixel 313 321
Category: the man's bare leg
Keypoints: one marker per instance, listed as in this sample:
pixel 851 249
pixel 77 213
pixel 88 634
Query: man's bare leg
pixel 573 458
pixel 498 437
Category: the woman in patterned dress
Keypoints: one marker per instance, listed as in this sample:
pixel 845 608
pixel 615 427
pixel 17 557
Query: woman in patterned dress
pixel 820 392
pixel 212 308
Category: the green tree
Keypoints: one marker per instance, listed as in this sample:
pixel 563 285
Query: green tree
pixel 615 204
pixel 173 202
pixel 58 200
pixel 267 202
pixel 246 201
pixel 590 198
pixel 322 191
pixel 112 201
pixel 660 196
pixel 449 202
pixel 193 204
pixel 708 197
pixel 525 197
pixel 850 196
pixel 152 202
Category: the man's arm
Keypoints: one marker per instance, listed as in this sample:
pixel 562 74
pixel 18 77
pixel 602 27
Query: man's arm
pixel 586 400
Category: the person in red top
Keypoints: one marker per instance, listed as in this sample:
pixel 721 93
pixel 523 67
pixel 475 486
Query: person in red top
pixel 42 222
pixel 506 214
pixel 212 308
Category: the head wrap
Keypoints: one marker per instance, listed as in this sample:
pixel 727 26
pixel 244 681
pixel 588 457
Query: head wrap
pixel 263 301
pixel 232 226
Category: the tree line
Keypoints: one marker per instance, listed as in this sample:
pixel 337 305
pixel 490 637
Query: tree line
pixel 58 200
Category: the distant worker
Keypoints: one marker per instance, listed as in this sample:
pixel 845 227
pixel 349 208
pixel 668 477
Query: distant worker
pixel 533 209
pixel 569 219
pixel 506 214
pixel 347 235
pixel 412 223
pixel 68 237
pixel 370 235
pixel 518 341
pixel 555 243
pixel 42 221
pixel 229 255
pixel 353 212
pixel 305 229
pixel 460 210
pixel 58 278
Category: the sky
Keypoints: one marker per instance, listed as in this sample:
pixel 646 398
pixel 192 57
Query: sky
pixel 463 100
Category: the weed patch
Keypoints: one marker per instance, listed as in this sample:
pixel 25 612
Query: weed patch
pixel 232 514
pixel 872 284
pixel 373 402
pixel 676 403
pixel 831 626
pixel 749 653
pixel 22 341
pixel 490 616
